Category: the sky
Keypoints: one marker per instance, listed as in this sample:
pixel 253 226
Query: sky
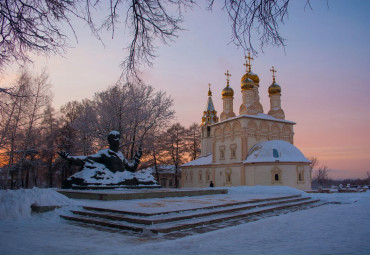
pixel 323 72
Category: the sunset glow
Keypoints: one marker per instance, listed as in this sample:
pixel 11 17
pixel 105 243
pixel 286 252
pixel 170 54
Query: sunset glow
pixel 323 72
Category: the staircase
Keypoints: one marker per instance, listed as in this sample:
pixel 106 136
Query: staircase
pixel 197 220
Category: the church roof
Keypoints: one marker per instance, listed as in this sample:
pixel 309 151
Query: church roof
pixel 261 116
pixel 205 160
pixel 275 151
pixel 210 107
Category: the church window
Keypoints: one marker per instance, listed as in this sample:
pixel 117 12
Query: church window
pixel 200 175
pixel 275 153
pixel 208 175
pixel 228 176
pixel 300 174
pixel 276 175
pixel 222 152
pixel 233 151
pixel 208 131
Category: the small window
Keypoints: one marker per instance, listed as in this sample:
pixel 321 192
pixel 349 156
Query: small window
pixel 208 131
pixel 300 177
pixel 233 151
pixel 222 152
pixel 276 177
pixel 275 153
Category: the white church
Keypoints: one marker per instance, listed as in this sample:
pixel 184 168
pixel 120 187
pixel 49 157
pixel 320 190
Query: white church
pixel 252 148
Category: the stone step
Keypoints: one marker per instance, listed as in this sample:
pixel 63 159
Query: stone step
pixel 142 194
pixel 212 220
pixel 192 209
pixel 105 223
pixel 189 223
pixel 202 212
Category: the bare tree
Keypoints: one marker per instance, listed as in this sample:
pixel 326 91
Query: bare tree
pixel 176 147
pixel 32 26
pixel 20 120
pixel 193 140
pixel 35 26
pixel 133 110
pixel 321 175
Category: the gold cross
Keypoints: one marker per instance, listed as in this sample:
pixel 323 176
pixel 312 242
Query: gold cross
pixel 227 77
pixel 273 73
pixel 209 89
pixel 249 61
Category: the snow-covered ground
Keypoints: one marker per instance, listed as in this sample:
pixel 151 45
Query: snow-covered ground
pixel 338 228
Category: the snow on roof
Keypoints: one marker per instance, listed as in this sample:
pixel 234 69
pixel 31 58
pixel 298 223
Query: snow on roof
pixel 202 160
pixel 164 169
pixel 275 150
pixel 261 116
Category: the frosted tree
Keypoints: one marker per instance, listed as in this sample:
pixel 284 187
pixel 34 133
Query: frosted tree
pixel 133 110
pixel 21 119
pixel 176 147
pixel 49 131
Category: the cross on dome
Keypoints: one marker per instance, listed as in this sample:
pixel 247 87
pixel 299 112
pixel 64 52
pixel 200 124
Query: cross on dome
pixel 273 73
pixel 227 77
pixel 209 90
pixel 249 61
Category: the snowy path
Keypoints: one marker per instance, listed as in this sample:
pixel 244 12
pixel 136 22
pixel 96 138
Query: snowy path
pixel 330 229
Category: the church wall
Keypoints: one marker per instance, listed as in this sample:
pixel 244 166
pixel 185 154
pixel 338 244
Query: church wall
pixel 252 131
pixel 228 175
pixel 293 175
pixel 201 176
pixel 197 177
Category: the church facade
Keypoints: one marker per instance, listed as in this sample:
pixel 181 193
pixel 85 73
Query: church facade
pixel 251 148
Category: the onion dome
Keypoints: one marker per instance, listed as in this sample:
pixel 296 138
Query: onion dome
pixel 227 91
pixel 274 88
pixel 249 74
pixel 246 84
pixel 254 77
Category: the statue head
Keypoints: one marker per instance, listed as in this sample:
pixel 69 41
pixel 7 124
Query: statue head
pixel 113 140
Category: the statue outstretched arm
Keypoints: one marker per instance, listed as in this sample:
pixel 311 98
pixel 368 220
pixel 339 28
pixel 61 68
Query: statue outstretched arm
pixel 77 160
pixel 132 166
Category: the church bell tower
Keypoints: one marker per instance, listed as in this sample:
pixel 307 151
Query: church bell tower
pixel 209 117
pixel 228 99
pixel 275 98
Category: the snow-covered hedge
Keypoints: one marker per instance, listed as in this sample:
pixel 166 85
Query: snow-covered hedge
pixel 16 204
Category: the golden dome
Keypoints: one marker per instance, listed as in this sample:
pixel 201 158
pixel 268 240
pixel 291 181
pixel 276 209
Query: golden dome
pixel 227 92
pixel 274 89
pixel 246 83
pixel 254 77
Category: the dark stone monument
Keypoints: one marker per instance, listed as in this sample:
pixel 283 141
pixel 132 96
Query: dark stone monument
pixel 108 169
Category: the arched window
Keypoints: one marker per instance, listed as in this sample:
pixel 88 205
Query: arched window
pixel 228 176
pixel 300 174
pixel 276 175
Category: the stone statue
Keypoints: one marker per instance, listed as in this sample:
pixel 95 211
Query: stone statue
pixel 108 168
pixel 111 158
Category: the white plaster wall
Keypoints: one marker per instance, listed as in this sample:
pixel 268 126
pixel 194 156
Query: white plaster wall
pixel 261 175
